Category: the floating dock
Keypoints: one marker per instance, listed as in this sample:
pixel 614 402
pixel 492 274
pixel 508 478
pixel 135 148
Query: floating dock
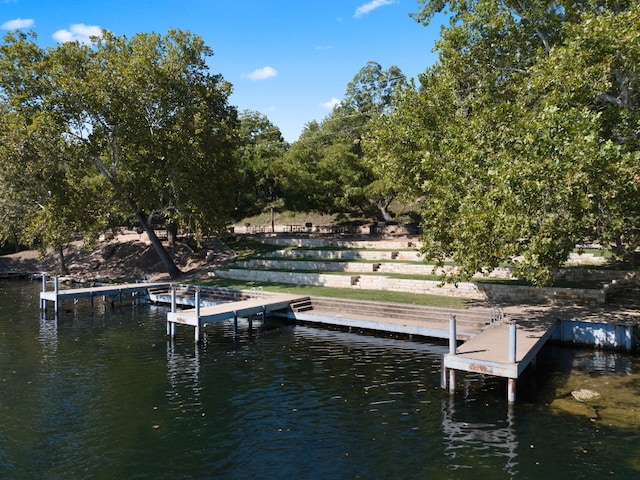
pixel 502 350
pixel 121 291
pixel 248 308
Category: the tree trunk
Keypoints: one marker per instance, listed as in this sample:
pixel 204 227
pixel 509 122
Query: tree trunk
pixel 165 258
pixel 61 263
pixel 386 215
pixel 172 235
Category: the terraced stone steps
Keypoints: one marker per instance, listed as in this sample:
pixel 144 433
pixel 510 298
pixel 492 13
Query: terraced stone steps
pixel 395 265
pixel 338 266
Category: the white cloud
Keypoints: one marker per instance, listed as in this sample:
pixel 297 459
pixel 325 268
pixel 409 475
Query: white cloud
pixel 78 32
pixel 262 73
pixel 17 23
pixel 371 6
pixel 331 104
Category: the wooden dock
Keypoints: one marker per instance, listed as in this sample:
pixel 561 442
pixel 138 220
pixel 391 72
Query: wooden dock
pixel 503 350
pixel 114 292
pixel 198 316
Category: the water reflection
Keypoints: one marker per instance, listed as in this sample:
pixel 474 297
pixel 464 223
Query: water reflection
pixel 183 371
pixel 48 334
pixel 481 439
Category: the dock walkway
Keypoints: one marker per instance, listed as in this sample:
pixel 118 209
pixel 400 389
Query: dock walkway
pixel 503 350
pixel 114 291
pixel 198 316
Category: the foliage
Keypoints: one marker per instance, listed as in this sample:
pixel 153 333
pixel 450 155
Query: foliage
pixel 522 140
pixel 260 157
pixel 133 127
pixel 326 169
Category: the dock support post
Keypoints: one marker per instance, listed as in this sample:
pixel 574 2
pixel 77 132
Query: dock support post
pixel 512 342
pixel 56 289
pixel 173 310
pixel 453 343
pixel 511 388
pixel 43 302
pixel 443 374
pixel 235 323
pixel 197 333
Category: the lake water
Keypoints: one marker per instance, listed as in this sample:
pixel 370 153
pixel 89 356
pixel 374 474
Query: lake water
pixel 100 393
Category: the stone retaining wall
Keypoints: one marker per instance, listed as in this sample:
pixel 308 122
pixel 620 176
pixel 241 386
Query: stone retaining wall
pixel 312 242
pixel 400 255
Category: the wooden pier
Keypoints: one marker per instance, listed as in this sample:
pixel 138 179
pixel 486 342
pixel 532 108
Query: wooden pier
pixel 502 350
pixel 198 316
pixel 119 292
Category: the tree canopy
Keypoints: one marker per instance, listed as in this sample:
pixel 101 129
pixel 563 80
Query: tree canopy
pixel 123 127
pixel 260 155
pixel 326 169
pixel 522 141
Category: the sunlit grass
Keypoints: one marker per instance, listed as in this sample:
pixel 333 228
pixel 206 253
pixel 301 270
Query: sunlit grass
pixel 346 293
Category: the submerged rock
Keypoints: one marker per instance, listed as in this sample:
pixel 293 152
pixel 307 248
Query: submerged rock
pixel 584 395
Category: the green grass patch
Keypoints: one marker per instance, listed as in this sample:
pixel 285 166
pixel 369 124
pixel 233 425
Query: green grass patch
pixel 246 249
pixel 345 293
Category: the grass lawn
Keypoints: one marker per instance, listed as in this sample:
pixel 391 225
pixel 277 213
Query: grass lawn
pixel 352 294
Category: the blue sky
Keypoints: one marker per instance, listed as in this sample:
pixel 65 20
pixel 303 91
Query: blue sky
pixel 288 59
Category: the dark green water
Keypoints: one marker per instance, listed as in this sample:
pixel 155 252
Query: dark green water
pixel 101 394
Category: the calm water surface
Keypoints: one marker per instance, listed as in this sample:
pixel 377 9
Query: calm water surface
pixel 100 393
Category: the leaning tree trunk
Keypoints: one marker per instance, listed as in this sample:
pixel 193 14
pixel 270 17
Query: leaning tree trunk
pixel 383 210
pixel 165 258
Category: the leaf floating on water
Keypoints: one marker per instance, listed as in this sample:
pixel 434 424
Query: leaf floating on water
pixel 155 427
pixel 382 402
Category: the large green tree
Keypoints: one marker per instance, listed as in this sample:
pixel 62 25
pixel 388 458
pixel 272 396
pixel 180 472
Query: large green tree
pixel 260 156
pixel 142 113
pixel 327 169
pixel 522 140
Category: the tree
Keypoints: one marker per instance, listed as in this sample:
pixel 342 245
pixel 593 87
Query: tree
pixel 41 184
pixel 516 140
pixel 328 170
pixel 144 114
pixel 260 157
